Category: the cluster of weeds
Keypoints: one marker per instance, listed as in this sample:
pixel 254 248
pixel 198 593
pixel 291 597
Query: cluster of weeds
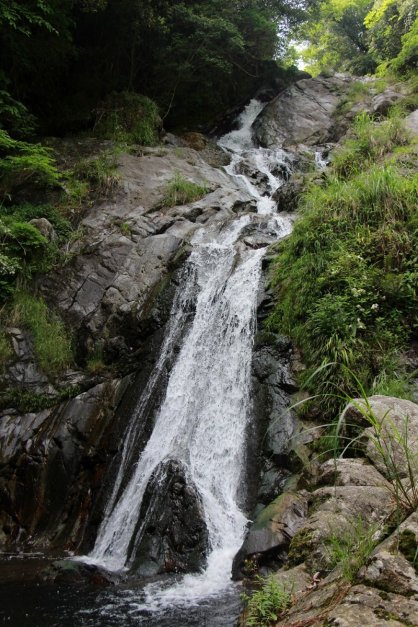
pixel 180 191
pixel 95 362
pixel 350 548
pixel 26 401
pixel 89 180
pixel 265 605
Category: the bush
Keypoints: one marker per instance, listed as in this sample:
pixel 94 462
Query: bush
pixel 180 191
pixel 128 117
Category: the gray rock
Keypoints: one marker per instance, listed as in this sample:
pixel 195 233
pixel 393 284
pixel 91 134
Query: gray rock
pixel 302 114
pixel 175 537
pixel 272 530
pixel 366 606
pixel 411 122
pixel 287 196
pixel 354 472
pixel 52 462
pixel 392 443
pixel 391 565
pixel 381 103
pixel 334 511
pixel 129 248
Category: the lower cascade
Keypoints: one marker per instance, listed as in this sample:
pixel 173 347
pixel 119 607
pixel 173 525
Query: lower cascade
pixel 201 423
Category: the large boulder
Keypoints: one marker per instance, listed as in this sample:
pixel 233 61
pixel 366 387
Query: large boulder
pixel 392 566
pixel 391 435
pixel 302 114
pixel 174 537
pixel 273 529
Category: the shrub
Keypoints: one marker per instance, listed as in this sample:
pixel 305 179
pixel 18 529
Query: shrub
pixel 369 141
pixel 128 117
pixel 180 191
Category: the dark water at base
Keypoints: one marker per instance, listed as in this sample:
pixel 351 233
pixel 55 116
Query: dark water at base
pixel 26 600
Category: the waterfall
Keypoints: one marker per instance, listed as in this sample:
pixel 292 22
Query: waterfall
pixel 203 417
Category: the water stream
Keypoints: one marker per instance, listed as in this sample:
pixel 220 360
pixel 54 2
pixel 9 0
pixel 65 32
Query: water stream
pixel 202 420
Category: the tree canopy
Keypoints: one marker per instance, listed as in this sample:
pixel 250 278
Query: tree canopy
pixel 362 35
pixel 62 57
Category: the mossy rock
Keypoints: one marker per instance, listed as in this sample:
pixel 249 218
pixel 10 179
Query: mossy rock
pixel 408 546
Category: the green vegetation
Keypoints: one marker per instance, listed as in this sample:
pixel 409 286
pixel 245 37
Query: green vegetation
pixel 346 278
pixel 22 163
pixel 91 179
pixel 5 351
pixel 25 401
pixel 128 117
pixel 361 36
pixel 180 191
pixel 194 59
pixel 264 606
pixel 51 342
pixel 349 549
pixel 95 362
pixel 24 251
pixel 408 545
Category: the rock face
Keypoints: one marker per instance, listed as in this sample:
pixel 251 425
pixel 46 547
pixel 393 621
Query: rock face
pixel 391 436
pixel 129 248
pixel 302 114
pixel 173 537
pixel 52 464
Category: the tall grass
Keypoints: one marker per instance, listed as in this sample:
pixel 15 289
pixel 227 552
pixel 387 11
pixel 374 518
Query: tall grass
pixel 350 548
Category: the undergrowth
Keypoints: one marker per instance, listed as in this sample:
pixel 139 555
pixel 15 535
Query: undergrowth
pixel 128 117
pixel 350 548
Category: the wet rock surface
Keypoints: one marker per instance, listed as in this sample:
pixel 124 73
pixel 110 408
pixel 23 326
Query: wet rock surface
pixel 51 466
pixel 173 537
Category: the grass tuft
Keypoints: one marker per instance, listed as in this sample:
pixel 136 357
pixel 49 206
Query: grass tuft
pixel 180 191
pixel 51 343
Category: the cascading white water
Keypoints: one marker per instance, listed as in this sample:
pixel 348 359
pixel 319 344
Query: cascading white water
pixel 203 418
